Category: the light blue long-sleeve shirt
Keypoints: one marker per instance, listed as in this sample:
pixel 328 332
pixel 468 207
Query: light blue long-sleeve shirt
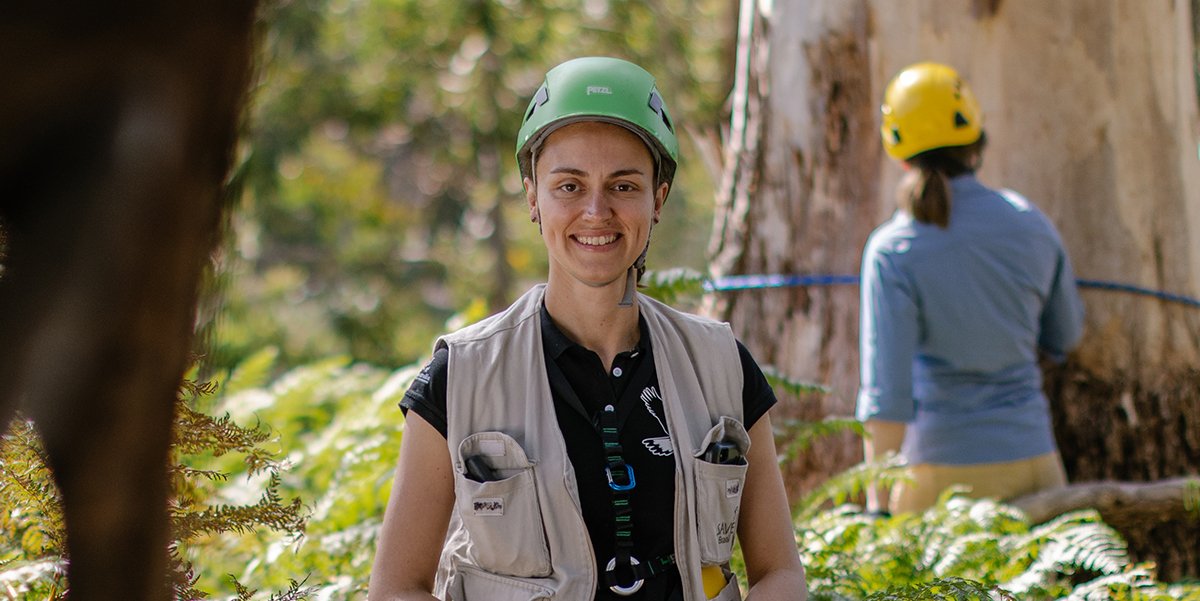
pixel 951 322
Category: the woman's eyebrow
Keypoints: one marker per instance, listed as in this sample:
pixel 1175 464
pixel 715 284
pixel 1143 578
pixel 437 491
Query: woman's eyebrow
pixel 581 172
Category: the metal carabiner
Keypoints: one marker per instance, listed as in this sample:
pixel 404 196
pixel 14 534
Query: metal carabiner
pixel 625 591
pixel 613 485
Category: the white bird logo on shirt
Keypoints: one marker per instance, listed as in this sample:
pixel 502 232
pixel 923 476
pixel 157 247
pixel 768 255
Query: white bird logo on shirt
pixel 659 446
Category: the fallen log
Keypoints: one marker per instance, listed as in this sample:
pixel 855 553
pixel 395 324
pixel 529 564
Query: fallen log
pixel 1142 503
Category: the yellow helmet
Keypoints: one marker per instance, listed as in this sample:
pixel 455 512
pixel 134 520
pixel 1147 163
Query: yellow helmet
pixel 927 106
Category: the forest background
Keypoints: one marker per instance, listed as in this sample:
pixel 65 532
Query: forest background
pixel 380 207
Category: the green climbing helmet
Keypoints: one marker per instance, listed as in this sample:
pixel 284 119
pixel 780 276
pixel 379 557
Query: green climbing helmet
pixel 604 89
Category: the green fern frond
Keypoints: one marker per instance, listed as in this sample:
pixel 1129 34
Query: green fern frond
pixel 944 589
pixel 296 591
pixel 850 483
pixel 269 512
pixel 967 551
pixel 1078 540
pixel 669 285
pixel 1073 542
pixel 801 434
pixel 199 433
pixel 1134 583
pixel 31 517
pixel 253 372
pixel 829 596
pixel 780 381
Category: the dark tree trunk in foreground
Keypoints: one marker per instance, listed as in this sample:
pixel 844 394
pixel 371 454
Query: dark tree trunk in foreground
pixel 118 126
pixel 1091 112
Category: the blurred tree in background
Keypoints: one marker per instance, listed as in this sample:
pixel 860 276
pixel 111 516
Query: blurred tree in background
pixel 379 190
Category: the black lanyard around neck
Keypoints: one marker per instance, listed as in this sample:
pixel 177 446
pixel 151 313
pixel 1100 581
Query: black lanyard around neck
pixel 620 476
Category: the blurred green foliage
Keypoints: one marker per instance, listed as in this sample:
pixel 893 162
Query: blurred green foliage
pixel 378 191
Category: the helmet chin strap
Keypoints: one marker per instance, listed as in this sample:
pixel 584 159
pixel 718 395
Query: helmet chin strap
pixel 634 274
pixel 630 287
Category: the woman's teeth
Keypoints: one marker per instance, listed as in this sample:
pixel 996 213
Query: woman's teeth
pixel 597 240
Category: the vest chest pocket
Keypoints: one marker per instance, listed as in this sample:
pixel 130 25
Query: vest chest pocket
pixel 501 514
pixel 719 488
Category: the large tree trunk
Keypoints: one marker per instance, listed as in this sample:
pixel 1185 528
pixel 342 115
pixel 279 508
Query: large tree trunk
pixel 800 195
pixel 119 126
pixel 1091 111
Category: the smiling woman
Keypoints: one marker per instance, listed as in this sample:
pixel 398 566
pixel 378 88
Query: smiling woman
pixel 589 442
pixel 599 205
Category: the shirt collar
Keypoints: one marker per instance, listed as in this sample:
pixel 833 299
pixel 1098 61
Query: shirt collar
pixel 553 339
pixel 964 181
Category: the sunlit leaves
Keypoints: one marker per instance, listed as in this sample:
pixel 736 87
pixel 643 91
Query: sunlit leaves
pixel 970 549
pixel 32 538
pixel 380 192
pixel 342 428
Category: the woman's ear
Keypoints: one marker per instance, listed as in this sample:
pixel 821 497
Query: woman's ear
pixel 660 199
pixel 531 198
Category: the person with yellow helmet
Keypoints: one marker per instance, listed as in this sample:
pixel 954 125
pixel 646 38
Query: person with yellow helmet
pixel 589 442
pixel 963 291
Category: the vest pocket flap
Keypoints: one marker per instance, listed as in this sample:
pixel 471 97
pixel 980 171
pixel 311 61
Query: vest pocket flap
pixel 470 584
pixel 497 451
pixel 727 430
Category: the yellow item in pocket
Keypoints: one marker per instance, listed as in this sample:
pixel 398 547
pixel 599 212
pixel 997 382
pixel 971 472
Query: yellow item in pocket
pixel 714 580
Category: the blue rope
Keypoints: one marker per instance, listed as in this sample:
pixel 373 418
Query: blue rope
pixel 1159 294
pixel 747 282
pixel 750 282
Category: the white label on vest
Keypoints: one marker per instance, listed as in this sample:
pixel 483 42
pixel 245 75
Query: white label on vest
pixel 488 506
pixel 491 448
pixel 733 488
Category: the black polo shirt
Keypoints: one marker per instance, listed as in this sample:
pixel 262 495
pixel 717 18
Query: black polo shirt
pixel 580 388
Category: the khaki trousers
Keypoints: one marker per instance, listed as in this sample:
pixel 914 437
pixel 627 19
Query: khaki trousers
pixel 1001 481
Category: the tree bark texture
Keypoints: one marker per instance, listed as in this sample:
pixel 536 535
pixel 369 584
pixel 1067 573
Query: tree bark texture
pixel 799 196
pixel 1091 112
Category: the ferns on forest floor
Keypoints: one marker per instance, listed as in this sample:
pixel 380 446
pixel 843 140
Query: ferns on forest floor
pixel 341 428
pixel 972 549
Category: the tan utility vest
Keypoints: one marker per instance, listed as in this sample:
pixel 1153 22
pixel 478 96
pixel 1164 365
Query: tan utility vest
pixel 521 537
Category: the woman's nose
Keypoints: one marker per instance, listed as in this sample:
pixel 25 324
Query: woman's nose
pixel 598 204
